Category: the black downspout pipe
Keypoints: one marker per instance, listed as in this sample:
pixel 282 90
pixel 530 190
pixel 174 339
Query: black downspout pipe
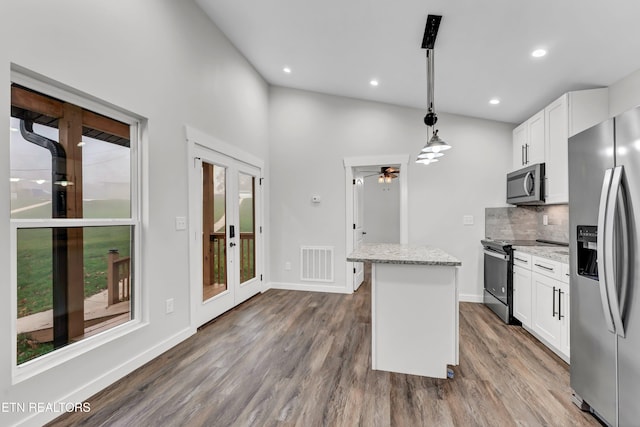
pixel 59 236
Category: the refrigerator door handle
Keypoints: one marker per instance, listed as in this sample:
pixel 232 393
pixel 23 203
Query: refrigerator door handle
pixel 601 237
pixel 616 209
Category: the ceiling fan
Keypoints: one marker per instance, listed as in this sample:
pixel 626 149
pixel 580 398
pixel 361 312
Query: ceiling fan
pixel 386 174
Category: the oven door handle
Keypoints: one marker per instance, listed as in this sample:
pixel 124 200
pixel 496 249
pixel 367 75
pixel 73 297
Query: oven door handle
pixel 496 255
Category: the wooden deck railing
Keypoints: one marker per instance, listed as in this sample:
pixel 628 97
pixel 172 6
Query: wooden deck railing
pixel 118 278
pixel 218 257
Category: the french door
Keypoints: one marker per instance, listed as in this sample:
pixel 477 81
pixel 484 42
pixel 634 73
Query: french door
pixel 227 259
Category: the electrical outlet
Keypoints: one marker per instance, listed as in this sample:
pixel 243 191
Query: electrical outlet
pixel 467 220
pixel 181 223
pixel 287 266
pixel 169 306
pixel 545 219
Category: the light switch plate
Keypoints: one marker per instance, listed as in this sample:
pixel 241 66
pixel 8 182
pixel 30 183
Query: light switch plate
pixel 169 306
pixel 467 220
pixel 181 223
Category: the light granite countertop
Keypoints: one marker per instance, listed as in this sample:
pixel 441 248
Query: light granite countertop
pixel 393 253
pixel 555 253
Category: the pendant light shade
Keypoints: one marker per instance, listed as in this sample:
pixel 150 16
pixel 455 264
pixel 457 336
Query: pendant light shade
pixel 435 146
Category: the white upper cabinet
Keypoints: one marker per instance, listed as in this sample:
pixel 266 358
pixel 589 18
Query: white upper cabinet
pixel 520 135
pixel 545 136
pixel 568 115
pixel 535 147
pixel 528 142
pixel 556 167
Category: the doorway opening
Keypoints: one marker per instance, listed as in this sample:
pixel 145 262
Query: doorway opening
pixel 363 205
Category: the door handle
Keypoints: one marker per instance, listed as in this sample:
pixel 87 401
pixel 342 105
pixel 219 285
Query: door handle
pixel 554 302
pixel 526 183
pixel 615 205
pixel 544 266
pixel 231 244
pixel 496 255
pixel 560 316
pixel 601 252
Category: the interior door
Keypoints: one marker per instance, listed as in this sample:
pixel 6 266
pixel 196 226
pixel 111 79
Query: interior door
pixel 229 234
pixel 358 230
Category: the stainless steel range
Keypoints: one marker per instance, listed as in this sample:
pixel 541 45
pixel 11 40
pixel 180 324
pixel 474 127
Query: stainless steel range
pixel 498 274
pixel 498 279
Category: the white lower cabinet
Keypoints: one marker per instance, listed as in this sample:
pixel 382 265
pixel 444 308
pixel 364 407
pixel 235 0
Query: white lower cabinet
pixel 522 295
pixel 541 302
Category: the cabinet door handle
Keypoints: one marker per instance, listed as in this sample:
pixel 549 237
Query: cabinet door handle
pixel 526 154
pixel 545 267
pixel 554 302
pixel 522 155
pixel 560 316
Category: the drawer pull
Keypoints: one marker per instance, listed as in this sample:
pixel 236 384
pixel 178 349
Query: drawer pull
pixel 522 260
pixel 544 266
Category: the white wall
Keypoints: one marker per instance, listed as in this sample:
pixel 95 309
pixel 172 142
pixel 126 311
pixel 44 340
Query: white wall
pixel 311 134
pixel 624 94
pixel 381 211
pixel 161 59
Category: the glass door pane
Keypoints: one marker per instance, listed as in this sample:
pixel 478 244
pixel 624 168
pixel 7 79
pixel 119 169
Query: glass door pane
pixel 247 211
pixel 214 226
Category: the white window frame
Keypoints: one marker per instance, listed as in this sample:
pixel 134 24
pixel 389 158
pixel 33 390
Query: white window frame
pixel 136 125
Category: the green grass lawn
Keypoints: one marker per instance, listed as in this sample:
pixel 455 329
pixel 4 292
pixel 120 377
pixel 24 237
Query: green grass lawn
pixel 35 256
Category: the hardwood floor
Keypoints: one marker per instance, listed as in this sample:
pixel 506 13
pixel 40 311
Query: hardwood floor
pixel 303 359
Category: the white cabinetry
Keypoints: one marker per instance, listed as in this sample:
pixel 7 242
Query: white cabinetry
pixel 568 115
pixel 544 137
pixel 522 288
pixel 541 300
pixel 528 142
pixel 550 303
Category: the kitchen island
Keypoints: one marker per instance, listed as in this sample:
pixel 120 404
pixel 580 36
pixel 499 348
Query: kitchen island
pixel 414 308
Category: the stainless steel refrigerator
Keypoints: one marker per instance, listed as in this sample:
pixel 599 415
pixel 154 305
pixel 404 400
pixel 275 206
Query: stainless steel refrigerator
pixel 604 210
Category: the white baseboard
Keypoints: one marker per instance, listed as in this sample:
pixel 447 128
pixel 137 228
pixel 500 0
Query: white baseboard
pixel 470 298
pixel 308 287
pixel 110 377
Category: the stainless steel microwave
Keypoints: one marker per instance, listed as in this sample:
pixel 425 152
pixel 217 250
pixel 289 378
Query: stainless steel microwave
pixel 526 186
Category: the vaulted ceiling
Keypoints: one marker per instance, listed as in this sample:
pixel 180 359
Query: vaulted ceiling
pixel 483 49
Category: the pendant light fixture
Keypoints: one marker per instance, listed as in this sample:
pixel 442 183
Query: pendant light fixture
pixel 435 145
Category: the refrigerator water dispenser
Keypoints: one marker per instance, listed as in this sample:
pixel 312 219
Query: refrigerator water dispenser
pixel 587 251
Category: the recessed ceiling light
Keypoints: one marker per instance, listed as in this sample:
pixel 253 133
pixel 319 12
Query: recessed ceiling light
pixel 374 82
pixel 538 53
pixel 287 70
pixel 494 101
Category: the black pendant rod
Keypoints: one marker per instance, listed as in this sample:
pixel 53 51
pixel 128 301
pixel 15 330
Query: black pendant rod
pixel 428 41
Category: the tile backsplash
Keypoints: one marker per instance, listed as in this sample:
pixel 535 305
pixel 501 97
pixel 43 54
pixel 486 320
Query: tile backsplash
pixel 526 223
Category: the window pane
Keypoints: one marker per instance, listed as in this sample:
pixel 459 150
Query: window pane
pixel 214 228
pixel 106 179
pixel 91 265
pixel 247 227
pixel 30 173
